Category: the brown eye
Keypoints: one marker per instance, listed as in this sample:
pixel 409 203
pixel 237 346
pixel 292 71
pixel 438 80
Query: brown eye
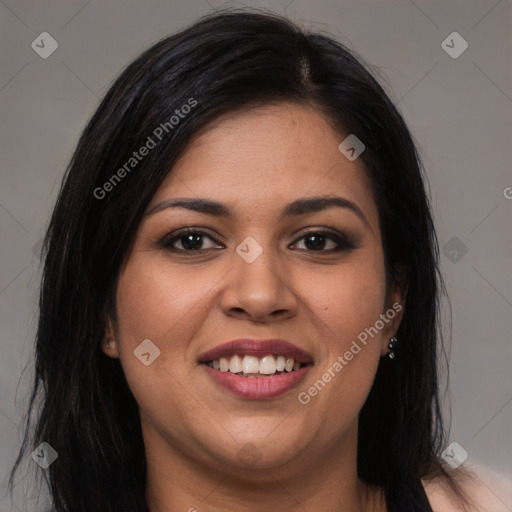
pixel 326 241
pixel 188 241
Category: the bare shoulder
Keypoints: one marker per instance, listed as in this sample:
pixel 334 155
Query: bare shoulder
pixel 482 490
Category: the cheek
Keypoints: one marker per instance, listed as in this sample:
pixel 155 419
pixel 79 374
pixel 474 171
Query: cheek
pixel 159 303
pixel 166 307
pixel 350 301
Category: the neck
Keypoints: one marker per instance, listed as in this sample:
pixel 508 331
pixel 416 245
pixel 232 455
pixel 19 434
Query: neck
pixel 314 480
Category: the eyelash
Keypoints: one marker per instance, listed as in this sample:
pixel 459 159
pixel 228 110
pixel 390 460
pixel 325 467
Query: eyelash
pixel 344 242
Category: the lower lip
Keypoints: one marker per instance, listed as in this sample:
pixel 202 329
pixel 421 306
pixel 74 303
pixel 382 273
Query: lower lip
pixel 255 388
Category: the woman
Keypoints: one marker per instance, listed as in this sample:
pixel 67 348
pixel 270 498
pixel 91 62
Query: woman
pixel 239 306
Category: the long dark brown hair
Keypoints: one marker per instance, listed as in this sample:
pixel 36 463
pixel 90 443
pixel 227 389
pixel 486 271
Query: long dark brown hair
pixel 225 62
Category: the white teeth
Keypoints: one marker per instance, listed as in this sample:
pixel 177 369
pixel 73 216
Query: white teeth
pixel 223 364
pixel 235 364
pixel 250 364
pixel 268 365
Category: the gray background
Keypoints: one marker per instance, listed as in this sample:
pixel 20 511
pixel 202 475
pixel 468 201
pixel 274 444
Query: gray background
pixel 459 111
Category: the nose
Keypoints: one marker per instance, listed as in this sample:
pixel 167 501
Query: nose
pixel 260 291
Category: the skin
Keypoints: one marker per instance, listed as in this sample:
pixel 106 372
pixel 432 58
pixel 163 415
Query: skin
pixel 255 162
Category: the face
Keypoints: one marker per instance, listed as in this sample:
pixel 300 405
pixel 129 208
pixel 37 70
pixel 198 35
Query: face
pixel 312 275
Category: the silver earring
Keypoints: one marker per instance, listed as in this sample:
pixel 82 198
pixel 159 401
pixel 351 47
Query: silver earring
pixel 107 345
pixel 392 342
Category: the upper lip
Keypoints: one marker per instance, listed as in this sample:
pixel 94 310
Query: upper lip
pixel 258 348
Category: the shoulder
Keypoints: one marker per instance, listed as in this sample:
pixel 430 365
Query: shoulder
pixel 483 490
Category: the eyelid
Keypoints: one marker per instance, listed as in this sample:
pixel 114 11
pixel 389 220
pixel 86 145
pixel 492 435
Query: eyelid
pixel 343 240
pixel 168 240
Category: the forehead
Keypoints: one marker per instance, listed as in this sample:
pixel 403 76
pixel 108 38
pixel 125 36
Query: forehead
pixel 268 156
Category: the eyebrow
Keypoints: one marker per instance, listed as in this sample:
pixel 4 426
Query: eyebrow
pixel 298 207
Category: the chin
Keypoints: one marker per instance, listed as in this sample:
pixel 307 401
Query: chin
pixel 260 451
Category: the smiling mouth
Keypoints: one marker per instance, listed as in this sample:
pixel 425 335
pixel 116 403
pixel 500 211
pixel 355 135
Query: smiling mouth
pixel 254 367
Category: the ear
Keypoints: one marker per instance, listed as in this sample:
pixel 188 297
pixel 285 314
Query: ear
pixel 394 311
pixel 109 343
